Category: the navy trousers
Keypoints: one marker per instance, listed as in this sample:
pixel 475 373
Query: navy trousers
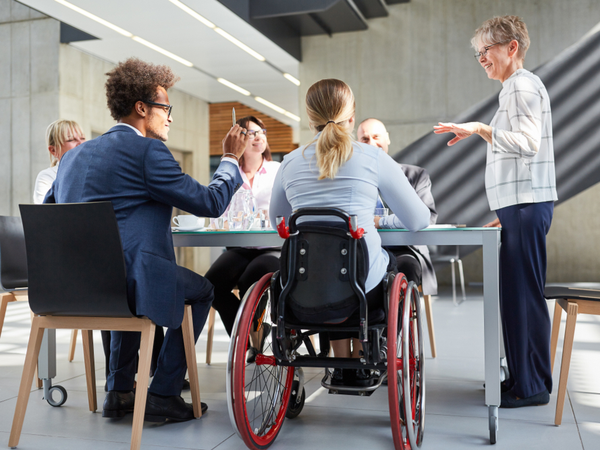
pixel 525 319
pixel 171 364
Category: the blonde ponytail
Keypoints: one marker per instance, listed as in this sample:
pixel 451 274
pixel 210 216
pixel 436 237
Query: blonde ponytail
pixel 330 105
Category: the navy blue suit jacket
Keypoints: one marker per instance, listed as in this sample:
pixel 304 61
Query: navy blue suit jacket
pixel 143 181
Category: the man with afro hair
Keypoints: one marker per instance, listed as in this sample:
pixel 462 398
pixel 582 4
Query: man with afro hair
pixel 131 166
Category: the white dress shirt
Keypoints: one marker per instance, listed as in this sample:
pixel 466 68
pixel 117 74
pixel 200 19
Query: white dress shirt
pixel 43 183
pixel 262 183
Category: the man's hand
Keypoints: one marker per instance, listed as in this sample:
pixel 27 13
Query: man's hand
pixel 235 142
pixel 493 224
pixel 376 219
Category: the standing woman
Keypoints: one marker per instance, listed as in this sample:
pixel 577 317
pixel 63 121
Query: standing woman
pixel 61 136
pixel 240 266
pixel 521 187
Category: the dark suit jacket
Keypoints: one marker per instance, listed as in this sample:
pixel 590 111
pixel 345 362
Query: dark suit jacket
pixel 143 181
pixel 420 181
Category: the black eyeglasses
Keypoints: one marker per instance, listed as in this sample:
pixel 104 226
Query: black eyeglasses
pixel 486 48
pixel 254 133
pixel 167 108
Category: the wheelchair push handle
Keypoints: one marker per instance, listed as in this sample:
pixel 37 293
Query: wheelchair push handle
pixel 352 221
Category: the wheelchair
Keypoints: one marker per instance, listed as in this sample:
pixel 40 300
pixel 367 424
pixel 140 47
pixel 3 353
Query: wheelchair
pixel 320 289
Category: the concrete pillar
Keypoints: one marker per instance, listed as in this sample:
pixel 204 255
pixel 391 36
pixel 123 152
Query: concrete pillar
pixel 28 98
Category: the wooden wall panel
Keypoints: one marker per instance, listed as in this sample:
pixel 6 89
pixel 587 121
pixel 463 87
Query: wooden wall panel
pixel 279 135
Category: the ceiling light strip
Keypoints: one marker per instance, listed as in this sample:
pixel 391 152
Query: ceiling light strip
pixel 273 106
pixel 233 40
pixel 185 62
pixel 235 87
pixel 194 14
pixel 95 18
pixel 291 78
pixel 292 116
pixel 240 44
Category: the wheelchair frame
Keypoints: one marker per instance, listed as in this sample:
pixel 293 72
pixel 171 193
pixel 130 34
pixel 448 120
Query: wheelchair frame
pixel 275 364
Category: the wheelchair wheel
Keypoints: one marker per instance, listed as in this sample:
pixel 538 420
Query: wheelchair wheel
pixel 258 389
pixel 412 367
pixel 296 405
pixel 406 386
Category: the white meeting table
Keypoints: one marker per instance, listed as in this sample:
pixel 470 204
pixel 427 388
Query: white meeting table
pixel 487 238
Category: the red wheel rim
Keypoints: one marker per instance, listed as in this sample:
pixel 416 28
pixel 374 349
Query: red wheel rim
pixel 394 361
pixel 245 418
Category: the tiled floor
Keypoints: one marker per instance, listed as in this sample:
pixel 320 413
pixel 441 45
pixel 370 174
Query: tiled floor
pixel 456 417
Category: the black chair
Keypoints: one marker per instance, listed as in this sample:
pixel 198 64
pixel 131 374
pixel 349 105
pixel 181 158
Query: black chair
pixel 13 268
pixel 13 264
pixel 77 279
pixel 575 300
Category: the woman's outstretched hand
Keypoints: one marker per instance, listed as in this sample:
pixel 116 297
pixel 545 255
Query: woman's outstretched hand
pixel 461 130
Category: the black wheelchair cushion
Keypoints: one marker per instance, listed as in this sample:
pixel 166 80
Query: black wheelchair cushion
pixel 322 291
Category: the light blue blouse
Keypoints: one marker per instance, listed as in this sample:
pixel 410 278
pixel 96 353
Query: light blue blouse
pixel 355 190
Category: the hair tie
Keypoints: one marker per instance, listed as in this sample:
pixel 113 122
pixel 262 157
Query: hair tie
pixel 331 121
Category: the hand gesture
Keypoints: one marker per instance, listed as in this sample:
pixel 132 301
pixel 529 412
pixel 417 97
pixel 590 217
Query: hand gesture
pixel 461 130
pixel 235 142
pixel 493 224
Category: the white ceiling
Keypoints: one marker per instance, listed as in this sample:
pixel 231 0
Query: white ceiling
pixel 165 25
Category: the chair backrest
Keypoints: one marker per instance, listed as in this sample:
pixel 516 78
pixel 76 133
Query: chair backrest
pixel 319 257
pixel 442 254
pixel 13 258
pixel 75 260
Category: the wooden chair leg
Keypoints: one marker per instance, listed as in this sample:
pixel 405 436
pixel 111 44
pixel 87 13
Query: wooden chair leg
pixel 72 345
pixel 566 360
pixel 187 328
pixel 38 381
pixel 141 392
pixel 87 337
pixel 33 350
pixel 5 299
pixel 429 314
pixel 211 333
pixel 554 334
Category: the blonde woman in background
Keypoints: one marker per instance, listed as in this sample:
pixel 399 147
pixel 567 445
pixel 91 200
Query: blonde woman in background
pixel 335 171
pixel 61 136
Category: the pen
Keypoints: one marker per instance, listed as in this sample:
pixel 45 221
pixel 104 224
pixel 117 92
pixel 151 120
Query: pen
pixel 233 116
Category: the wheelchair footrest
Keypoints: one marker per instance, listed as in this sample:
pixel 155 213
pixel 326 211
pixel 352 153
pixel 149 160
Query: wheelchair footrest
pixel 363 388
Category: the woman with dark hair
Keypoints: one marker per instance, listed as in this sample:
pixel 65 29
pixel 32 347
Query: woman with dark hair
pixel 521 187
pixel 336 171
pixel 242 266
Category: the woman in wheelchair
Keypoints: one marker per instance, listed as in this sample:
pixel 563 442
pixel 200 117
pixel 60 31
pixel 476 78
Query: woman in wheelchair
pixel 332 280
pixel 336 171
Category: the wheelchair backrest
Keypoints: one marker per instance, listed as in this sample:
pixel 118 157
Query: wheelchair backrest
pixel 328 269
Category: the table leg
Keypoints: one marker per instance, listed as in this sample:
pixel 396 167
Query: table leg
pixel 491 320
pixel 493 419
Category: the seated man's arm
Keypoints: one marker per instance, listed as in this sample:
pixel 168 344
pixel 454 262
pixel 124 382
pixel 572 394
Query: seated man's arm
pixel 421 182
pixel 400 196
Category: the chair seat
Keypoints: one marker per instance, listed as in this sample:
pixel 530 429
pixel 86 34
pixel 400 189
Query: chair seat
pixel 376 317
pixel 574 293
